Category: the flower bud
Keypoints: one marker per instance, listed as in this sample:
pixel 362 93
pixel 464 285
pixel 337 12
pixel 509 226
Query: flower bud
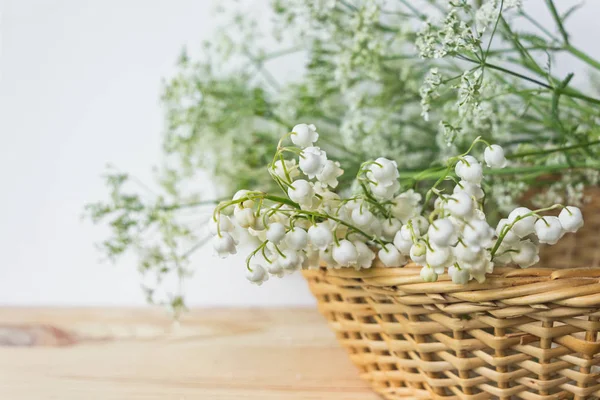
pixel 257 275
pixel 548 230
pixel 302 193
pixel 385 192
pixel 290 167
pixel 418 253
pixel 224 245
pixel 245 217
pixel 494 156
pixel 276 232
pixel 442 232
pixel 390 256
pixel 472 189
pixel 290 261
pixel 478 233
pixel 362 216
pixel 401 242
pixel 365 254
pixel 246 203
pixel 304 135
pixel 460 205
pixel 296 239
pixel 428 274
pixel 312 161
pixel 439 257
pixel 459 276
pixel 225 224
pixel 345 253
pixel 510 237
pixel 390 227
pixel 320 236
pixel 469 169
pixel 384 171
pixel 526 254
pixel 571 219
pixel 524 226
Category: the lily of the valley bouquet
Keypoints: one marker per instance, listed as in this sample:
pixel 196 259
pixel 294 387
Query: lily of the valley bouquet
pixel 445 230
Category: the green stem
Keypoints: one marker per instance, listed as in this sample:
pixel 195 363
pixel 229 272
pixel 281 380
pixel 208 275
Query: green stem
pixel 553 150
pixel 583 57
pixel 561 27
pixel 564 91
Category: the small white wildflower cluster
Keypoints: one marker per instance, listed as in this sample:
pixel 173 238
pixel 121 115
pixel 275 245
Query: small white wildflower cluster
pixel 453 35
pixel 314 226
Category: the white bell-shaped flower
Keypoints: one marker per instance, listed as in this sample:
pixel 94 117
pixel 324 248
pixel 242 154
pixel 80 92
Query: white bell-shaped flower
pixel 290 260
pixel 224 245
pixel 345 253
pixel 224 223
pixel 304 135
pixel 428 274
pixel 458 275
pixel 296 239
pixel 312 161
pixel 480 269
pixel 362 216
pixel 320 236
pixel 302 193
pixel 478 233
pixel 460 205
pixel 330 172
pixel 469 169
pixel 326 255
pixel 524 225
pixel 494 156
pixel 276 269
pixel 439 257
pixel 384 192
pixel 390 256
pixel 276 232
pixel 365 254
pixel 375 228
pixel 571 218
pixel 403 241
pixel 442 232
pixel 280 167
pixel 525 254
pixel 241 194
pixel 310 259
pixel 510 237
pixel 419 224
pixel 418 253
pixel 472 189
pixel 383 171
pixel 503 255
pixel 467 254
pixel 390 227
pixel 257 275
pixel 548 230
pixel 244 217
pixel 406 205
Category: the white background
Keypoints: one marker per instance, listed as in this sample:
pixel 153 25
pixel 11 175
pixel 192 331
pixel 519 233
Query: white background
pixel 79 87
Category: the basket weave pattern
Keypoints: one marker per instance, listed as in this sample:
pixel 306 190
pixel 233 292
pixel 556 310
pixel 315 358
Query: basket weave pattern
pixel 523 334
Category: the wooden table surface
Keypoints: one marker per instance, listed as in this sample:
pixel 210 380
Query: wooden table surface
pixel 80 354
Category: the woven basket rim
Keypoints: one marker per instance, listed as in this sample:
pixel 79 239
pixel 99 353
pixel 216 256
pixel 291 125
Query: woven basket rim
pixel 577 287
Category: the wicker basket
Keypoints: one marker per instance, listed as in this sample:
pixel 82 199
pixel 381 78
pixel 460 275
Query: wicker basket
pixel 523 334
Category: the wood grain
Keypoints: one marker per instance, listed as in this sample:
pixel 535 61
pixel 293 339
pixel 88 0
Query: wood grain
pixel 109 354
